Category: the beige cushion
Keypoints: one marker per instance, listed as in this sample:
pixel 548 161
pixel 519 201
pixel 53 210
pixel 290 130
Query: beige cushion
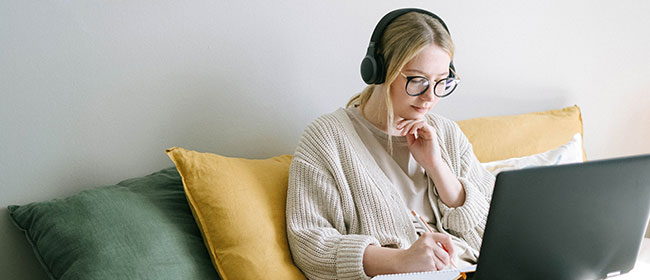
pixel 570 152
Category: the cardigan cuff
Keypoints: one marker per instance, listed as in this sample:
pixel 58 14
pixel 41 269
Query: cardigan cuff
pixel 349 256
pixel 468 216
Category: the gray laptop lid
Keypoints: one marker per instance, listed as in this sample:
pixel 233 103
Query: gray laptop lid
pixel 576 221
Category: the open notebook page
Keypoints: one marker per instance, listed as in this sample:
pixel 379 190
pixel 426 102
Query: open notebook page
pixel 449 274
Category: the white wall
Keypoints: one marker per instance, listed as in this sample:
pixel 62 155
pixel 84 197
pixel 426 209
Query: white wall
pixel 92 92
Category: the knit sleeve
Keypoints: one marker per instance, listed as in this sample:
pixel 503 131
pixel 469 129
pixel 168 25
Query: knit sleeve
pixel 316 230
pixel 468 220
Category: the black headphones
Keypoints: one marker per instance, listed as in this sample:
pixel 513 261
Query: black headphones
pixel 373 68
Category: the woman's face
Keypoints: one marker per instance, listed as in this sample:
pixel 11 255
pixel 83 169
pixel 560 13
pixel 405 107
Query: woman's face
pixel 433 63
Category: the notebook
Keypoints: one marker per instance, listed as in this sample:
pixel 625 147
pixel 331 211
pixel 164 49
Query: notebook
pixel 449 274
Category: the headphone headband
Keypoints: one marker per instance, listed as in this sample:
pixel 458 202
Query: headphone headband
pixel 373 69
pixel 388 18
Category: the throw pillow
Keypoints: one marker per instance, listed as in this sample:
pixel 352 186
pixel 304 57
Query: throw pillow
pixel 570 152
pixel 503 137
pixel 239 205
pixel 141 228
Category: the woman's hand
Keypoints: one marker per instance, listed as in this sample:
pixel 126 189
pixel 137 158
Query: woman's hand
pixel 426 151
pixel 425 148
pixel 427 253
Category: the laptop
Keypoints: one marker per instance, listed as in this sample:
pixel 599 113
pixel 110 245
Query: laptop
pixel 574 221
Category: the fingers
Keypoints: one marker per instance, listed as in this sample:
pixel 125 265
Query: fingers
pixel 404 122
pixel 443 257
pixel 446 243
pixel 404 126
pixel 414 127
pixel 434 242
pixel 439 264
pixel 410 126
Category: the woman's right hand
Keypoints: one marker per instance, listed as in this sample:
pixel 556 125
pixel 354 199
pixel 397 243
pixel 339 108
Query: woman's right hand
pixel 427 253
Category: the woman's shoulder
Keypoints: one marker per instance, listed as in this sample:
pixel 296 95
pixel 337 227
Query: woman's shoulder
pixel 324 137
pixel 329 121
pixel 328 126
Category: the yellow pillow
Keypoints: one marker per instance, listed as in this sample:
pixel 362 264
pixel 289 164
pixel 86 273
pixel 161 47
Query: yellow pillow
pixel 503 137
pixel 239 206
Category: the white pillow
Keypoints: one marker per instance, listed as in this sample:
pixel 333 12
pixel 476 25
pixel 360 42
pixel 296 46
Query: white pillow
pixel 570 152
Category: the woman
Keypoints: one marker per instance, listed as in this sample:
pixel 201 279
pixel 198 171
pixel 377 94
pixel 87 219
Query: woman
pixel 357 173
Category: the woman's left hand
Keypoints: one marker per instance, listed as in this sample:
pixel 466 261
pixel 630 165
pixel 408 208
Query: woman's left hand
pixel 425 147
pixel 426 151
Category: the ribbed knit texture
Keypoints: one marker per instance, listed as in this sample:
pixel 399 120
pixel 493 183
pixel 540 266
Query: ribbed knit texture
pixel 339 201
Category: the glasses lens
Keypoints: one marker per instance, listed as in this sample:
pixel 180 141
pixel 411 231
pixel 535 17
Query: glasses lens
pixel 445 87
pixel 417 85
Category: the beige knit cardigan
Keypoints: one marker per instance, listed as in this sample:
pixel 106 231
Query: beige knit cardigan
pixel 339 201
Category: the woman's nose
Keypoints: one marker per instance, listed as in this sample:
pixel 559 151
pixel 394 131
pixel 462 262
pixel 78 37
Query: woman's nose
pixel 428 95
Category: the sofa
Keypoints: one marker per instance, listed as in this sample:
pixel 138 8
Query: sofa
pixel 216 217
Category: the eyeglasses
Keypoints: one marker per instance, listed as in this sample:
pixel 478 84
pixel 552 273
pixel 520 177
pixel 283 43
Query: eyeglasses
pixel 417 85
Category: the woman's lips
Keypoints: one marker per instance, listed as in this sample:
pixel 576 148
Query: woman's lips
pixel 419 109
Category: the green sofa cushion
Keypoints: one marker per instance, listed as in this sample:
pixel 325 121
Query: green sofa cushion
pixel 141 228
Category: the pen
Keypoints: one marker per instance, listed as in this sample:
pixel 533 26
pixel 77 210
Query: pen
pixel 429 229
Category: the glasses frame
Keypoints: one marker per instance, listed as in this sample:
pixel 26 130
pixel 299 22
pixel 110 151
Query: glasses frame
pixel 409 78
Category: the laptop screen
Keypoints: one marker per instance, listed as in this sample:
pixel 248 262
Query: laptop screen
pixel 575 221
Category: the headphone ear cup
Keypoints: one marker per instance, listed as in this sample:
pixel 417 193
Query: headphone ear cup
pixel 369 69
pixel 381 70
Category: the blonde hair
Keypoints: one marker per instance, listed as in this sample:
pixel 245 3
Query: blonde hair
pixel 402 40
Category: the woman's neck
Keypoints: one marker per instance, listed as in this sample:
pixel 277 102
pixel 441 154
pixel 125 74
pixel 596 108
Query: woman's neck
pixel 375 111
